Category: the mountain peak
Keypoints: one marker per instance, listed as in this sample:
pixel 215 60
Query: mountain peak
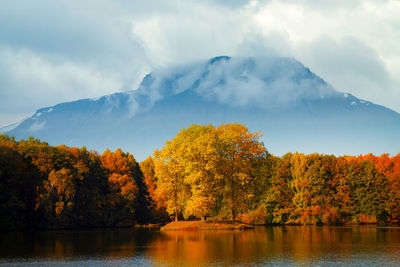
pixel 267 82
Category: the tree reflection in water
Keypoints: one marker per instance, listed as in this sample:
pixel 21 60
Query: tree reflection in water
pixel 263 245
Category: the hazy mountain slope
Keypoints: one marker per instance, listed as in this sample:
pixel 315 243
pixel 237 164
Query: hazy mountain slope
pixel 294 109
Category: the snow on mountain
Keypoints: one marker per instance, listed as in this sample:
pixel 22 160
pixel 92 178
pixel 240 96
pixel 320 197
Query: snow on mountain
pixel 294 108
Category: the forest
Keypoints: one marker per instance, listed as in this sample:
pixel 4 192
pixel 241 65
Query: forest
pixel 205 172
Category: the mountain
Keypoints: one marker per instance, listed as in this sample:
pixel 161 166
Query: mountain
pixel 295 110
pixel 9 127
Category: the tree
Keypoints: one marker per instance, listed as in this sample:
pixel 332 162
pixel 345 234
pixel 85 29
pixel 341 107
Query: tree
pixel 393 176
pixel 18 181
pixel 200 158
pixel 170 183
pixel 279 197
pixel 61 189
pixel 91 187
pixel 237 150
pixel 157 201
pixel 150 179
pixel 204 165
pixel 123 190
pixel 369 190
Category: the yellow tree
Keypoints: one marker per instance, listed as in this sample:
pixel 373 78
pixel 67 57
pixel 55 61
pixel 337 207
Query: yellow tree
pixel 199 156
pixel 185 171
pixel 169 171
pixel 238 149
pixel 62 183
pixel 203 164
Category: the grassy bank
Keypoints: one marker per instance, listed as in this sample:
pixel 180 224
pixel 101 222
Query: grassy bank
pixel 199 225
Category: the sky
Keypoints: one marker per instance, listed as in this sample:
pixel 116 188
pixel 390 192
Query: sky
pixel 59 51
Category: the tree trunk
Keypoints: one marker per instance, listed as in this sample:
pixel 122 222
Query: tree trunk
pixel 203 218
pixel 176 216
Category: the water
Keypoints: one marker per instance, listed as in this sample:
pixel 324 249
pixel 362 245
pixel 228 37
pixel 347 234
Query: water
pixel 272 246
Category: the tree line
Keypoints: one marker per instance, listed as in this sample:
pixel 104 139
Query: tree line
pixel 51 187
pixel 225 172
pixel 219 173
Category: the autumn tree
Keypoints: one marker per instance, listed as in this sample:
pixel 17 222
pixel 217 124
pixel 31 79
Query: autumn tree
pixel 312 183
pixel 369 190
pixel 18 181
pixel 205 169
pixel 123 191
pixel 91 186
pixel 150 179
pixel 392 173
pixel 157 201
pixel 341 204
pixel 199 157
pixel 278 198
pixel 169 170
pixel 237 150
pixel 222 172
pixel 186 171
pixel 61 189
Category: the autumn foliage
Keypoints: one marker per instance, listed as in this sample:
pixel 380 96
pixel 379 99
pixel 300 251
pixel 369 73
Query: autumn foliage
pixel 219 173
pixel 44 186
pixel 225 172
pixel 208 171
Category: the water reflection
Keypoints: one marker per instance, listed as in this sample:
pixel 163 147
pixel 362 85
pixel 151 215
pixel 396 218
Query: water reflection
pixel 297 244
pixel 294 245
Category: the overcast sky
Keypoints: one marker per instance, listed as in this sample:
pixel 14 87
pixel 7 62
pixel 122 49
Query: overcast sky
pixel 58 51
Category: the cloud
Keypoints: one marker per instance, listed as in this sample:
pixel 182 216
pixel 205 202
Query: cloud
pixel 58 51
pixel 269 82
pixel 266 82
pixel 193 31
pixel 37 126
pixel 61 51
pixel 30 80
pixel 352 66
pixel 352 44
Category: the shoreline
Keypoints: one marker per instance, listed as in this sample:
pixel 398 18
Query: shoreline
pixel 200 225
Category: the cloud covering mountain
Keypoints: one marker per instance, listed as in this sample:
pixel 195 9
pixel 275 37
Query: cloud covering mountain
pixel 295 109
pixel 59 51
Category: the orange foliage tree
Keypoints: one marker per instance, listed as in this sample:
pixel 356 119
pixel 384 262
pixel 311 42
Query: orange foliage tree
pixel 123 190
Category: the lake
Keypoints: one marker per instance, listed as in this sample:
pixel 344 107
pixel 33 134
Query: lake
pixel 276 246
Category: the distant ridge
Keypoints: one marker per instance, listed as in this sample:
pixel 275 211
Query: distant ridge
pixel 9 127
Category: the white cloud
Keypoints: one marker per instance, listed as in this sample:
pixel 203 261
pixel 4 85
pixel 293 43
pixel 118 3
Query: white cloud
pixel 352 44
pixel 61 51
pixel 37 126
pixel 269 83
pixel 54 51
pixel 28 79
pixel 352 66
pixel 264 82
pixel 193 31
